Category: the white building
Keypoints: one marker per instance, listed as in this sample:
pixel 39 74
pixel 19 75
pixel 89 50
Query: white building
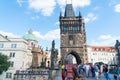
pixel 105 54
pixel 19 55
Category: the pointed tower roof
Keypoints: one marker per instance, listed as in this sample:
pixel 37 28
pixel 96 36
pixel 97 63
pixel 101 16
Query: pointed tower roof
pixel 80 15
pixel 69 12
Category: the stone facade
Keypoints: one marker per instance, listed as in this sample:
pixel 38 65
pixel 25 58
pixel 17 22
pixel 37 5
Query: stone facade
pixel 37 56
pixel 18 53
pixel 72 35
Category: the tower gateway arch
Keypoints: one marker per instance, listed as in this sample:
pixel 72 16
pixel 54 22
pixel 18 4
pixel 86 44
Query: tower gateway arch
pixel 72 36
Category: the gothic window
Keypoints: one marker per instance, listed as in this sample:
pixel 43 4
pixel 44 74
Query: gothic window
pixel 65 28
pixel 75 28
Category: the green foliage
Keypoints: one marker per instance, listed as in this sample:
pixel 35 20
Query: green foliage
pixel 4 63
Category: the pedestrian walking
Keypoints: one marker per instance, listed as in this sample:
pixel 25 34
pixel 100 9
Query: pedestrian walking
pixel 93 70
pixel 96 71
pixel 80 69
pixel 63 74
pixel 118 72
pixel 75 73
pixel 106 71
pixel 115 72
pixel 87 69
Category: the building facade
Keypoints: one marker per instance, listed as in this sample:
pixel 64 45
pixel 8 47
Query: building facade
pixel 72 35
pixel 19 55
pixel 105 54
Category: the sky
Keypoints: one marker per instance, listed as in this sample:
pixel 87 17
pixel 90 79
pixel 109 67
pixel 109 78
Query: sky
pixel 102 20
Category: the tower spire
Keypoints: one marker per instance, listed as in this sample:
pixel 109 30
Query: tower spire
pixel 80 15
pixel 69 12
pixel 70 1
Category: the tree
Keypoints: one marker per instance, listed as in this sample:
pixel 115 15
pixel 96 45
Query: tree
pixel 4 63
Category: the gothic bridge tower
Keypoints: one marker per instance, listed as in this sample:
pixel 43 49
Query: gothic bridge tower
pixel 72 36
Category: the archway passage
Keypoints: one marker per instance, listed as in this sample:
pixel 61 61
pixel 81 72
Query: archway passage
pixel 72 57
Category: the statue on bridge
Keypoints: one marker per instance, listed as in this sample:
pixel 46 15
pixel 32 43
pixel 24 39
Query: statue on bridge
pixel 54 55
pixel 117 46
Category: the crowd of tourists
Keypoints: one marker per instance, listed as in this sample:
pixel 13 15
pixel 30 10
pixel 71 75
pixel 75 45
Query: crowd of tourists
pixel 88 70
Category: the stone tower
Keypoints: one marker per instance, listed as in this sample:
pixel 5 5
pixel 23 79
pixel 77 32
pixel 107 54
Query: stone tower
pixel 72 35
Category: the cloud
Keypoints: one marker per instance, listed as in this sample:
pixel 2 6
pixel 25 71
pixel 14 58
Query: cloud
pixel 57 23
pixel 9 35
pixel 35 17
pixel 75 3
pixel 46 7
pixel 107 40
pixel 117 8
pixel 90 17
pixel 104 37
pixel 96 8
pixel 50 35
pixel 113 2
pixel 20 2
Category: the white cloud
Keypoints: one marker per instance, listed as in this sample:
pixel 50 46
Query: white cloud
pixel 51 35
pixel 57 23
pixel 113 2
pixel 105 40
pixel 35 17
pixel 104 37
pixel 76 3
pixel 20 2
pixel 96 8
pixel 9 35
pixel 90 17
pixel 117 8
pixel 46 7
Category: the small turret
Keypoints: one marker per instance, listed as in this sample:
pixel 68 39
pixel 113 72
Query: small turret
pixel 80 14
pixel 60 15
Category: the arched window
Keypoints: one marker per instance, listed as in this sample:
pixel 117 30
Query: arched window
pixel 32 44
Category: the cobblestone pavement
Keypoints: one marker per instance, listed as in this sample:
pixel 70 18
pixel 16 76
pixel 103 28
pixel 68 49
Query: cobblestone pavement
pixel 58 76
pixel 101 77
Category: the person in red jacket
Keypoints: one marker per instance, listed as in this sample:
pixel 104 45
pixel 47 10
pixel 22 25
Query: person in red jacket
pixel 63 74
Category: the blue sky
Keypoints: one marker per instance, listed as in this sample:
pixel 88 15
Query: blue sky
pixel 102 19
